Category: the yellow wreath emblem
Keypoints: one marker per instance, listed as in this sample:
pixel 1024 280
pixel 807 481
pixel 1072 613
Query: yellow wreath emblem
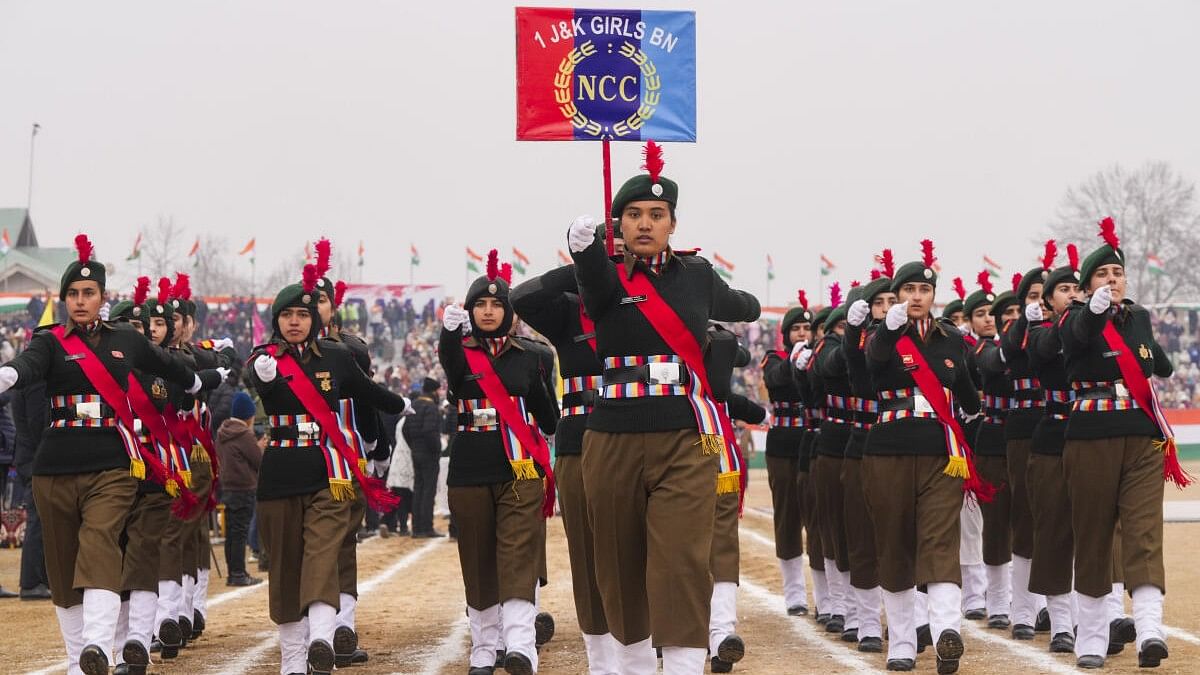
pixel 621 128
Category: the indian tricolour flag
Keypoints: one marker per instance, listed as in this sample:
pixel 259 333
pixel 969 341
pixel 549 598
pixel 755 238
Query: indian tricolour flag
pixel 473 261
pixel 520 261
pixel 827 266
pixel 770 268
pixel 993 267
pixel 6 244
pixel 723 266
pixel 1154 265
pixel 414 255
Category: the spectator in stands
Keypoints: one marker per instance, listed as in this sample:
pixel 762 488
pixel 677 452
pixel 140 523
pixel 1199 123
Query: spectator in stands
pixel 241 456
pixel 421 432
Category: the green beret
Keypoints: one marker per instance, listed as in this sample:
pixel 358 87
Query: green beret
pixel 1003 302
pixel 914 271
pixel 81 271
pixel 184 307
pixel 1105 255
pixel 639 188
pixel 976 300
pixel 873 289
pixel 951 307
pixel 1061 275
pixel 821 315
pixel 793 316
pixel 122 310
pixel 1036 275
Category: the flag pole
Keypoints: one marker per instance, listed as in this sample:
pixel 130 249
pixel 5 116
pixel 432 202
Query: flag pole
pixel 608 223
pixel 29 195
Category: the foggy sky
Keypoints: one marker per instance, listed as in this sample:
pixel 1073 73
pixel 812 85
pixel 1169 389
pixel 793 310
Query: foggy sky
pixel 823 127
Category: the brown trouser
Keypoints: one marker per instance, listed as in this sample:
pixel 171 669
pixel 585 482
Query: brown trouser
pixel 915 508
pixel 195 535
pixel 499 535
pixel 785 500
pixel 808 512
pixel 723 557
pixel 572 502
pixel 827 480
pixel 1053 543
pixel 302 535
pixel 997 518
pixel 82 516
pixel 1110 479
pixel 143 541
pixel 348 553
pixel 860 531
pixel 170 555
pixel 1021 516
pixel 652 499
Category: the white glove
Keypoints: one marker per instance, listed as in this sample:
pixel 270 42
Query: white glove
pixel 196 384
pixel 965 328
pixel 407 406
pixel 858 313
pixel 266 367
pixel 1101 300
pixel 801 355
pixel 967 419
pixel 1033 312
pixel 454 317
pixel 224 372
pixel 582 234
pixel 897 316
pixel 222 344
pixel 105 310
pixel 8 377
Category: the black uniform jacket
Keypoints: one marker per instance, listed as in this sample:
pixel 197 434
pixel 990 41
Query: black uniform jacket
pixel 782 387
pixel 1020 422
pixel 835 379
pixel 1045 358
pixel 990 441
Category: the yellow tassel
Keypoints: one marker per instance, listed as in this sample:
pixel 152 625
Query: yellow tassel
pixel 362 465
pixel 712 444
pixel 172 487
pixel 342 490
pixel 523 469
pixel 137 469
pixel 198 454
pixel 957 467
pixel 728 482
pixel 187 478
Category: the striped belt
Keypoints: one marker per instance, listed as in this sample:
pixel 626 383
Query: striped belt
pixel 995 408
pixel 787 414
pixel 294 431
pixel 81 410
pixel 1029 390
pixel 898 404
pixel 839 409
pixel 815 415
pixel 642 376
pixel 579 394
pixel 866 412
pixel 479 414
pixel 1058 403
pixel 1093 396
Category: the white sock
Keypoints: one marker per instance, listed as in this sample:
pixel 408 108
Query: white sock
pixel 200 601
pixel 820 592
pixel 921 608
pixel 902 624
pixel 170 594
pixel 1116 602
pixel 836 588
pixel 1091 637
pixel 794 592
pixel 121 632
pixel 722 617
pixel 347 604
pixel 683 660
pixel 999 592
pixel 945 600
pixel 974 588
pixel 187 601
pixel 601 654
pixel 1025 605
pixel 485 633
pixel 142 607
pixel 70 624
pixel 100 610
pixel 868 603
pixel 519 634
pixel 1147 613
pixel 293 648
pixel 638 658
pixel 1062 619
pixel 322 619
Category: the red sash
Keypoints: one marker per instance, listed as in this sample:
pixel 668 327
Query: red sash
pixel 114 397
pixel 495 391
pixel 961 463
pixel 183 442
pixel 152 420
pixel 588 326
pixel 378 497
pixel 1142 392
pixel 675 333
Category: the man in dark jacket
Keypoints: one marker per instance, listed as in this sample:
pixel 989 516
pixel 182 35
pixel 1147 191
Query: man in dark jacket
pixel 241 456
pixel 422 435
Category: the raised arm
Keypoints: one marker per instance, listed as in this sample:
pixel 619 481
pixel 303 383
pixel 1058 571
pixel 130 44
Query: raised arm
pixel 732 305
pixel 362 388
pixel 595 276
pixel 541 302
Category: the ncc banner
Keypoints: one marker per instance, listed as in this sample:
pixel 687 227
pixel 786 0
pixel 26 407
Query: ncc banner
pixel 591 74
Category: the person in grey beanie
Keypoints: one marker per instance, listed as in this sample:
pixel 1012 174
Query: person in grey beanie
pixel 241 456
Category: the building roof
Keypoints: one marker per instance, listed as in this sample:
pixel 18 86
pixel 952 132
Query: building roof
pixel 28 267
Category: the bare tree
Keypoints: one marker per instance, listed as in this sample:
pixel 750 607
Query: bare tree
pixel 161 248
pixel 1156 213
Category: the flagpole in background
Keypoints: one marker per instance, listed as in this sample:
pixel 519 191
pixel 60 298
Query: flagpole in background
pixel 29 195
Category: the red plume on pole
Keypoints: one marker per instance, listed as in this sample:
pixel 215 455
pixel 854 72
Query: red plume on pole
pixel 1073 256
pixel 875 274
pixel 142 291
pixel 183 287
pixel 493 265
pixel 164 290
pixel 1016 281
pixel 653 156
pixel 1050 254
pixel 324 253
pixel 889 263
pixel 310 278
pixel 1108 232
pixel 927 256
pixel 506 273
pixel 855 284
pixel 959 289
pixel 339 293
pixel 985 281
pixel 835 294
pixel 84 247
pixel 802 298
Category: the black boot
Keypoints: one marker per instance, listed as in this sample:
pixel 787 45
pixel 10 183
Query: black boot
pixel 517 663
pixel 924 638
pixel 543 627
pixel 345 641
pixel 197 625
pixel 185 631
pixel 321 659
pixel 1063 643
pixel 836 624
pixel 949 651
pixel 731 649
pixel 1152 653
pixel 871 645
pixel 92 661
pixel 136 657
pixel 1042 623
pixel 170 635
pixel 716 665
pixel 1022 632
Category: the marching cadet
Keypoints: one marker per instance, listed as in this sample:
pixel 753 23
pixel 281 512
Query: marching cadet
pixel 953 311
pixel 814 396
pixel 498 460
pixel 988 444
pixel 550 305
pixel 868 306
pixel 651 451
pixel 783 453
pixel 914 494
pixel 1119 449
pixel 829 365
pixel 1025 407
pixel 88 461
pixel 309 469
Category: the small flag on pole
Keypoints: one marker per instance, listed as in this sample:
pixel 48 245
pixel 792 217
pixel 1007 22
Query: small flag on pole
pixel 1154 265
pixel 133 255
pixel 520 260
pixel 563 258
pixel 770 268
pixel 47 313
pixel 361 251
pixel 723 267
pixel 5 242
pixel 308 254
pixel 415 257
pixel 248 248
pixel 473 260
pixel 993 267
pixel 827 266
pixel 192 253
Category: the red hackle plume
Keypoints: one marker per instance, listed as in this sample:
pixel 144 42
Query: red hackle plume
pixel 324 252
pixel 855 284
pixel 927 256
pixel 1050 254
pixel 985 281
pixel 339 293
pixel 310 278
pixel 164 290
pixel 493 265
pixel 802 298
pixel 183 287
pixel 1108 232
pixel 889 263
pixel 84 247
pixel 959 289
pixel 875 274
pixel 835 294
pixel 1016 281
pixel 506 273
pixel 652 154
pixel 1073 256
pixel 142 291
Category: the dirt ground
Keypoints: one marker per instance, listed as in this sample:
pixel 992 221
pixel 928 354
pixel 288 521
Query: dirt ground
pixel 411 616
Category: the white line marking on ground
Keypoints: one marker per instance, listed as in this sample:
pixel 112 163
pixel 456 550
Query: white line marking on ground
pixel 59 667
pixel 1182 634
pixel 846 660
pixel 1044 661
pixel 449 650
pixel 249 658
